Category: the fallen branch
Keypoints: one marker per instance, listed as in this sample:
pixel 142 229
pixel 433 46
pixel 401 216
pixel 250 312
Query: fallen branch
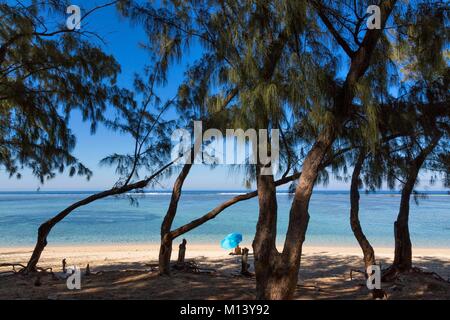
pixel 430 273
pixel 13 265
pixel 244 264
pixel 192 266
pixel 392 273
pixel 356 271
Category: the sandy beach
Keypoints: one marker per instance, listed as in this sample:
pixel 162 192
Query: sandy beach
pixel 104 255
pixel 128 271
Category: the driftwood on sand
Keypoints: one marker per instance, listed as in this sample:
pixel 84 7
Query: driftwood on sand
pixel 182 252
pixel 244 263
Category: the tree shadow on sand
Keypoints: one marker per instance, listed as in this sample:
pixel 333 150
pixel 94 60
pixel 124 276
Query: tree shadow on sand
pixel 321 277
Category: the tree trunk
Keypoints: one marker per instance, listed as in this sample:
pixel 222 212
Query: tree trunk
pixel 264 244
pixel 165 250
pixel 367 249
pixel 41 243
pixel 403 247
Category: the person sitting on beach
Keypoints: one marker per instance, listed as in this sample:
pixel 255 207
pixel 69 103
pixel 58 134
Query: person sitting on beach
pixel 237 251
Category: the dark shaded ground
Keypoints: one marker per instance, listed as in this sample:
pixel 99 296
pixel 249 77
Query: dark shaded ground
pixel 321 277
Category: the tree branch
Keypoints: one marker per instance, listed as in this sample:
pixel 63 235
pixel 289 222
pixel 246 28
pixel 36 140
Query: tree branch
pixel 341 41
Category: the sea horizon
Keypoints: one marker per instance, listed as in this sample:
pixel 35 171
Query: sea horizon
pixel 227 191
pixel 118 220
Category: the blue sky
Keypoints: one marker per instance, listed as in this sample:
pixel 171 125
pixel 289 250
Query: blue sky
pixel 123 42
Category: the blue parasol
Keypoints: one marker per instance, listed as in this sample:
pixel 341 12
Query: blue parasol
pixel 231 241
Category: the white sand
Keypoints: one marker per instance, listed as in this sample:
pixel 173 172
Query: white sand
pixel 126 253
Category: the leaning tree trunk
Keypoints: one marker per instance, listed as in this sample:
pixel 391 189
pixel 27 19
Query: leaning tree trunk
pixel 165 250
pixel 41 243
pixel 165 253
pixel 367 249
pixel 403 247
pixel 47 226
pixel 299 213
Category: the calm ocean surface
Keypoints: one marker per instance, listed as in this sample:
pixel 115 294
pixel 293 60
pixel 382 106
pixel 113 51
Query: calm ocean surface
pixel 114 220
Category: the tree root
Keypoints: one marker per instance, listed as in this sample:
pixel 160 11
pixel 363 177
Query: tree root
pixel 430 273
pixel 247 274
pixel 356 271
pixel 191 266
pixel 13 265
pixel 379 294
pixel 392 274
pixel 23 268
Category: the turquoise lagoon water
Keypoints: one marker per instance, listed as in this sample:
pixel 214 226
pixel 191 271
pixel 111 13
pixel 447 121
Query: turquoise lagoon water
pixel 114 220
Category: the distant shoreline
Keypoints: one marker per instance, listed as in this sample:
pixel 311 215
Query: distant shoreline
pixel 345 247
pixel 221 192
